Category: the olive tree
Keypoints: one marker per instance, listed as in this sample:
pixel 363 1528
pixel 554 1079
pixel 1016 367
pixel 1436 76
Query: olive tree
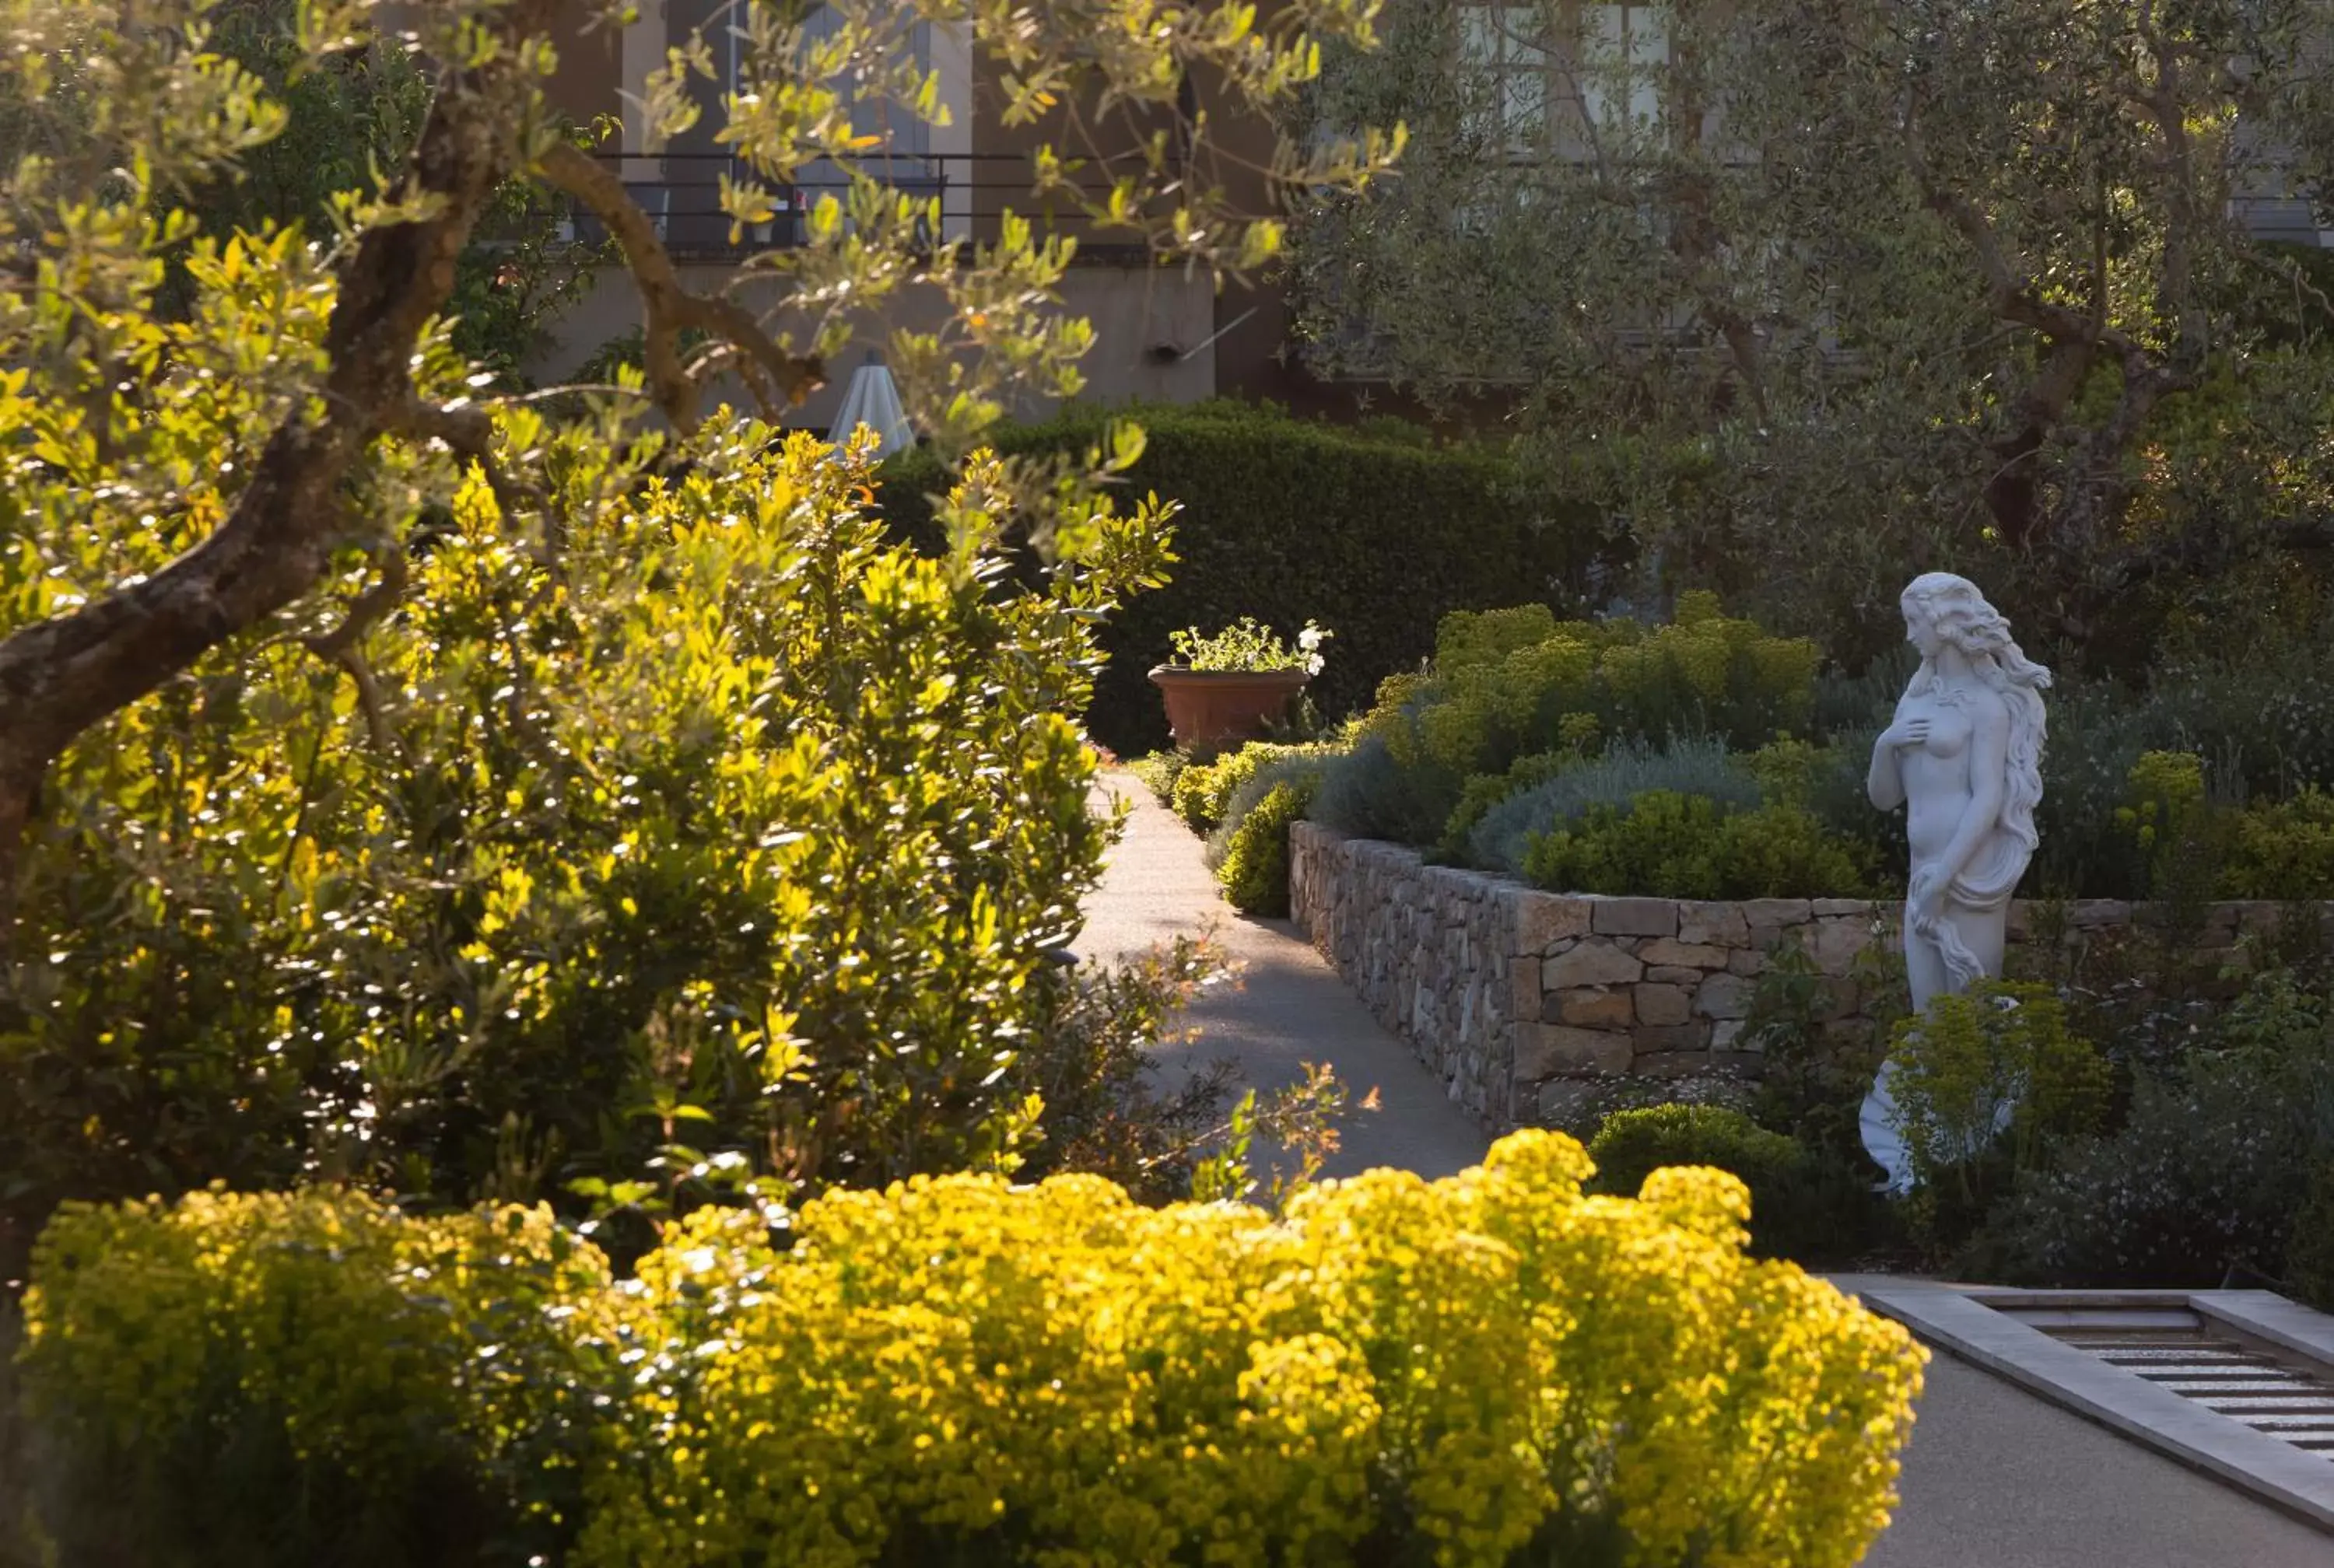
pixel 143 531
pixel 1821 294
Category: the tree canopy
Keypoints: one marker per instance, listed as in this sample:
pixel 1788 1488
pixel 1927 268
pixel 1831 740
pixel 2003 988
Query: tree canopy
pixel 1826 294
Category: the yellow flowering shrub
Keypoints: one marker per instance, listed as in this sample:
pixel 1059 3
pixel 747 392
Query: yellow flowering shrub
pixel 301 1378
pixel 1487 1370
pixel 1491 1363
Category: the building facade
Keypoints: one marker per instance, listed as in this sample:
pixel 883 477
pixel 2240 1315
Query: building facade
pixel 1162 333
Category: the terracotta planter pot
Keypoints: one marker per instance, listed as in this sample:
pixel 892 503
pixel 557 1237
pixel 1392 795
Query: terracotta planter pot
pixel 1210 710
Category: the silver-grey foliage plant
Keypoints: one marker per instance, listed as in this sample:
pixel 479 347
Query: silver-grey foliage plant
pixel 1689 767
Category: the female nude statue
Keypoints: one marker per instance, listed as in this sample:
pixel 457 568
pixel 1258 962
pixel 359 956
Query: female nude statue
pixel 1964 756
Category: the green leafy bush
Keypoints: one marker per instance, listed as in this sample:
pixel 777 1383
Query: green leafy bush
pixel 738 829
pixel 1799 1208
pixel 1159 772
pixel 2213 1168
pixel 1514 683
pixel 1254 869
pixel 1479 1371
pixel 1367 794
pixel 2281 848
pixel 2310 1254
pixel 1677 846
pixel 1989 1086
pixel 1703 769
pixel 1503 737
pixel 1289 520
pixel 1484 792
pixel 2262 722
pixel 1632 1144
pixel 1205 791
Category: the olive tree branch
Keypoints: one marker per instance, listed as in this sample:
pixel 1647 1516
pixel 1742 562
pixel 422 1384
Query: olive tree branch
pixel 779 378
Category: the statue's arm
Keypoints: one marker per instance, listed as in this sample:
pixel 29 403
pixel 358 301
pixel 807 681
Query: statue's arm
pixel 1885 781
pixel 1989 788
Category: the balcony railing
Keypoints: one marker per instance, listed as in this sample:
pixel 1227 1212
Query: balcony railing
pixel 680 193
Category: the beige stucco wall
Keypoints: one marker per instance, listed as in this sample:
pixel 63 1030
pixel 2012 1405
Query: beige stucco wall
pixel 1133 311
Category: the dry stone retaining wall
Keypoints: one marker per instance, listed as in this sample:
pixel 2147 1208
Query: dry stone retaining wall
pixel 1520 1000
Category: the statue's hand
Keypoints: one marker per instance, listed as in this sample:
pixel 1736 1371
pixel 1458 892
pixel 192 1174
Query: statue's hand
pixel 1907 733
pixel 1924 899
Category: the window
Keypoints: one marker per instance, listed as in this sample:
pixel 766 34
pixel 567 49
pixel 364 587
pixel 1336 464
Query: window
pixel 1597 73
pixel 1622 50
pixel 1499 43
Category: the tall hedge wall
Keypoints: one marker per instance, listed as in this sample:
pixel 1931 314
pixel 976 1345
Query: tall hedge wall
pixel 1372 531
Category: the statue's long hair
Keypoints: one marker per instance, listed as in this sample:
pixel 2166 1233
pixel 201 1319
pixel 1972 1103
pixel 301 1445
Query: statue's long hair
pixel 1965 618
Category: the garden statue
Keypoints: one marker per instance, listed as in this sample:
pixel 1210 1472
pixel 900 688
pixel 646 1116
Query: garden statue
pixel 1964 758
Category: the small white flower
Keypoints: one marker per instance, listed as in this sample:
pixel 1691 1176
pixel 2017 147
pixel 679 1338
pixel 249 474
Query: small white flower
pixel 1310 638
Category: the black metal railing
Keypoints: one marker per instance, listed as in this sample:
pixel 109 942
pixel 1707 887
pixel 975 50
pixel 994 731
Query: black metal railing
pixel 680 193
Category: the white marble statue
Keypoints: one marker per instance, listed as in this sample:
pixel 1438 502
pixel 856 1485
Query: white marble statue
pixel 1965 758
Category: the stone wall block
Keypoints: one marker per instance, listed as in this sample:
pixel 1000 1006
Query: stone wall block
pixel 1684 955
pixel 1834 943
pixel 1633 918
pixel 1854 908
pixel 1776 912
pixel 1591 1007
pixel 1556 1050
pixel 1658 1037
pixel 1590 962
pixel 1662 1005
pixel 1672 975
pixel 1724 996
pixel 1713 925
pixel 1538 919
pixel 1523 988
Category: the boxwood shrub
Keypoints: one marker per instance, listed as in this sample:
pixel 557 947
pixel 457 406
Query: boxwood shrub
pixel 1802 1206
pixel 1290 520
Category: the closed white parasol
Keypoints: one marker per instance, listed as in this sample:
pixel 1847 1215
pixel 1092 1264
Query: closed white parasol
pixel 872 400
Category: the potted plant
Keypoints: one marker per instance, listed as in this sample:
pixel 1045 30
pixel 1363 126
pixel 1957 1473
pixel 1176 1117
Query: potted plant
pixel 1227 688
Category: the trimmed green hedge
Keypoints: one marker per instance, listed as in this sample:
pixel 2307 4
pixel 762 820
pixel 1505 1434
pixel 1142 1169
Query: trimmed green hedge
pixel 1375 538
